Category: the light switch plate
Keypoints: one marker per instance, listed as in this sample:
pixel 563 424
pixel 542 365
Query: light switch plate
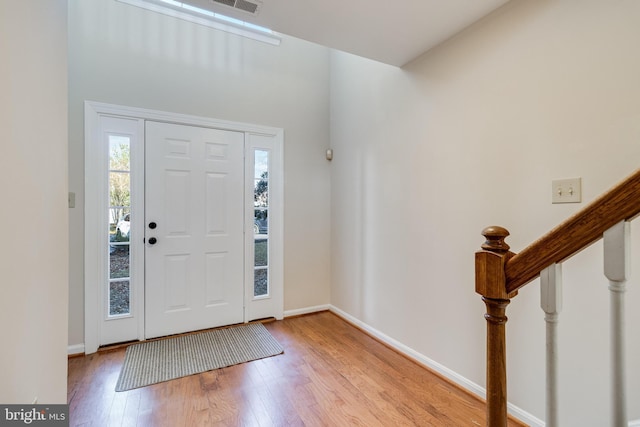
pixel 566 190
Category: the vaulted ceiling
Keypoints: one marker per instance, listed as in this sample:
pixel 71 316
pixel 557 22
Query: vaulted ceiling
pixel 391 31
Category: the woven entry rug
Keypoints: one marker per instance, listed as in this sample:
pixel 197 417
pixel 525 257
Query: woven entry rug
pixel 166 359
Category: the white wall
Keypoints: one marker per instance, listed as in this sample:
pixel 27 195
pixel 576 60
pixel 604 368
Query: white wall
pixel 33 172
pixel 471 135
pixel 124 55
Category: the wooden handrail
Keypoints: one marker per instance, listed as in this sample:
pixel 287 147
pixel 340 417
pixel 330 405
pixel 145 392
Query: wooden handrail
pixel 620 203
pixel 500 273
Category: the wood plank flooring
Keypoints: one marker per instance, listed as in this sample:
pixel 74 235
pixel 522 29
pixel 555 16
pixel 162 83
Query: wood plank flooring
pixel 331 374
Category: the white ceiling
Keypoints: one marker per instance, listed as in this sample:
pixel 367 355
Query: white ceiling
pixel 391 31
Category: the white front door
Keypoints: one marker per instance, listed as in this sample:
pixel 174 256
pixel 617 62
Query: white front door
pixel 194 222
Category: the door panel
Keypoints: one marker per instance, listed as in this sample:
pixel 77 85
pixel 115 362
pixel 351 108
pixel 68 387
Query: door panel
pixel 195 196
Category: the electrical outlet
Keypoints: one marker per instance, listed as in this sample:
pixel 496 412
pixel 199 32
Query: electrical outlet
pixel 566 190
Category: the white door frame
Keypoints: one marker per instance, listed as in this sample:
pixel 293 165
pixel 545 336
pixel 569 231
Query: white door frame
pixel 95 214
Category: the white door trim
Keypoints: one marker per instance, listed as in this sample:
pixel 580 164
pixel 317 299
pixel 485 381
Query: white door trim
pixel 95 214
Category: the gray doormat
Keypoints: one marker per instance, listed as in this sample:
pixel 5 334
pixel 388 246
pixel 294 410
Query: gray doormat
pixel 166 359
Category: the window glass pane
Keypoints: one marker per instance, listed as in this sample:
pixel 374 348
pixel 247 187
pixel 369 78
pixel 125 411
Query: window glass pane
pixel 119 298
pixel 116 213
pixel 119 152
pixel 260 282
pixel 260 221
pixel 118 261
pixel 261 251
pixel 261 193
pixel 261 162
pixel 119 189
pixel 119 224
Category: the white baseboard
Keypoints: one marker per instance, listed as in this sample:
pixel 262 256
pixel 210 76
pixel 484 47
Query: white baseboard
pixel 524 416
pixel 306 310
pixel 75 349
pixel 435 366
pixel 635 423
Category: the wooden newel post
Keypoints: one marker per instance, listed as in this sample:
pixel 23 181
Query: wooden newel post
pixel 491 284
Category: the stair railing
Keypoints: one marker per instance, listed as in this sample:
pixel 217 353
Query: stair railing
pixel 500 273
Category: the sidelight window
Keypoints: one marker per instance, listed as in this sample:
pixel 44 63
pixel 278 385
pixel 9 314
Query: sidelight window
pixel 119 227
pixel 261 224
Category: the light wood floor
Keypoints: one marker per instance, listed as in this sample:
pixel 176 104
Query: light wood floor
pixel 331 374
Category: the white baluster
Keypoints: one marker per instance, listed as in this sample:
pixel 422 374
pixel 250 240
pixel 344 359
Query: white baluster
pixel 616 265
pixel 551 303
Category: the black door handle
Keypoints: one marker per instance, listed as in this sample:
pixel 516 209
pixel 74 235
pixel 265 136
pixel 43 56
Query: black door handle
pixel 152 225
pixel 153 240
